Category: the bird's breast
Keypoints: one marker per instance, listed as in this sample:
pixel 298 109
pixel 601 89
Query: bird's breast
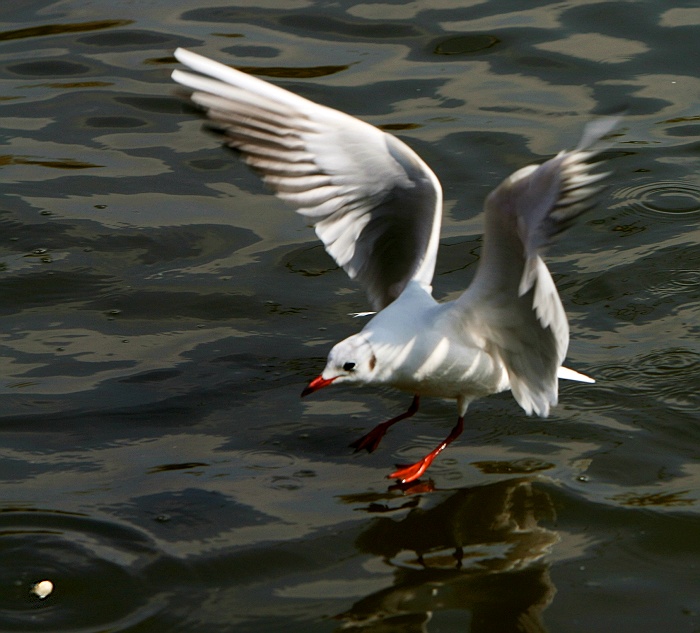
pixel 424 347
pixel 440 366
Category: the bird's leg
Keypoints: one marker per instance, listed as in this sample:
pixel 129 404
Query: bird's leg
pixel 406 474
pixel 372 439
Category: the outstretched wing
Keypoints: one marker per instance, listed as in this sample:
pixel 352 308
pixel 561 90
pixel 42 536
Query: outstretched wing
pixel 513 300
pixel 375 205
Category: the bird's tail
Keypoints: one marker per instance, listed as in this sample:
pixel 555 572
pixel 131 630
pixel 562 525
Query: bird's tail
pixel 570 374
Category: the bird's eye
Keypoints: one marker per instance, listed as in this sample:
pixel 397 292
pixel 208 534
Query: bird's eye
pixel 349 366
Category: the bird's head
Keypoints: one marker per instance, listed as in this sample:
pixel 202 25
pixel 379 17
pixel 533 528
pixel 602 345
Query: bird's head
pixel 351 360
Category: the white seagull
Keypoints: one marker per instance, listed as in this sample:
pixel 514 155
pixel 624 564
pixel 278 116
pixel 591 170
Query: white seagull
pixel 377 207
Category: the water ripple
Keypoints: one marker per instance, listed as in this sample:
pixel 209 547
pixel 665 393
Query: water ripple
pixel 666 198
pixel 669 362
pixel 117 570
pixel 665 374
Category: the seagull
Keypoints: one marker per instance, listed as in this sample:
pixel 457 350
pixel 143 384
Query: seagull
pixel 377 208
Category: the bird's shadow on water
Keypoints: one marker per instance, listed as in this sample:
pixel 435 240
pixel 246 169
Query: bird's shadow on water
pixel 477 552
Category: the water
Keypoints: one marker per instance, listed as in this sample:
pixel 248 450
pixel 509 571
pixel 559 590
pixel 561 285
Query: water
pixel 161 313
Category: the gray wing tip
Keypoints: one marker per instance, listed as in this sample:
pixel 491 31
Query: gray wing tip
pixel 596 131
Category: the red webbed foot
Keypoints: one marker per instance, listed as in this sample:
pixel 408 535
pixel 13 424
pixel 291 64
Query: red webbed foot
pixel 371 441
pixel 406 474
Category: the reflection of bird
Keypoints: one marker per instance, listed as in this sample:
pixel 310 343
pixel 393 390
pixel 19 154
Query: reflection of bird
pixel 377 208
pixel 479 550
pixel 493 527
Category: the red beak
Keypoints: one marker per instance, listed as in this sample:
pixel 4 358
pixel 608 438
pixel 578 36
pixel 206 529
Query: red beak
pixel 316 384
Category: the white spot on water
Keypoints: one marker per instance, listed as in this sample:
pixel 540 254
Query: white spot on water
pixel 42 588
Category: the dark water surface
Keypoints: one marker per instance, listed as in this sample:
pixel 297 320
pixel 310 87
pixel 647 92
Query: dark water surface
pixel 161 313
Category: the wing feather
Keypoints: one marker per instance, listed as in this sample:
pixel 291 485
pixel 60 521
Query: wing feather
pixel 513 298
pixel 375 205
